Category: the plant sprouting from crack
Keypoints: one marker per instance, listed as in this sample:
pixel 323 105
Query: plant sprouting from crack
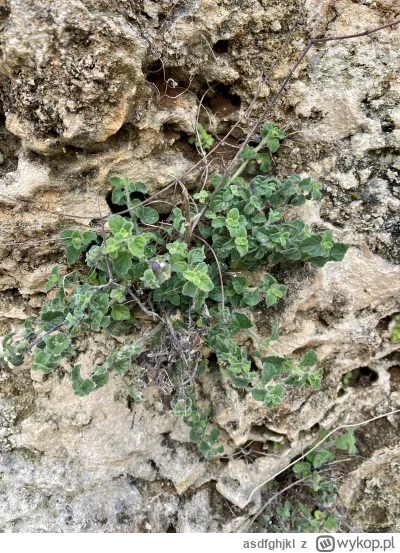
pixel 189 287
pixel 202 140
pixel 306 499
pixel 396 331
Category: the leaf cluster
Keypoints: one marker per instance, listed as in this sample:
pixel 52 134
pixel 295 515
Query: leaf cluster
pixel 198 282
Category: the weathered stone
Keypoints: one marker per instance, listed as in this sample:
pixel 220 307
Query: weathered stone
pixel 93 88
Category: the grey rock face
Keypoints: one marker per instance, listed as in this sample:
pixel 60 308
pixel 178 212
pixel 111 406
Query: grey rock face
pixel 92 88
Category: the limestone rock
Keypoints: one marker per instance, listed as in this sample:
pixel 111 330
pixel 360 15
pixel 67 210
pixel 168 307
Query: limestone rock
pixel 94 88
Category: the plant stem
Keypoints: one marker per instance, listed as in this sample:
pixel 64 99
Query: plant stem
pixel 243 166
pixel 260 343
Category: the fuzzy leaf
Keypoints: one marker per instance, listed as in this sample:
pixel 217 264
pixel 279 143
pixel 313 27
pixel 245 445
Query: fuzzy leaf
pixel 120 312
pixel 116 223
pixel 123 262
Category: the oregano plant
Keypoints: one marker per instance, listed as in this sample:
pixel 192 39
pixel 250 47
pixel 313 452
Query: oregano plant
pixel 307 497
pixel 194 289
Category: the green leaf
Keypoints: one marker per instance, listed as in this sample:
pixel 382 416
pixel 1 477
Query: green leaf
pixel 195 436
pixel 275 329
pixel 239 381
pixel 83 387
pixel 177 248
pixel 118 197
pixel 149 216
pixel 116 223
pixel 338 251
pixel 312 246
pixel 66 235
pixel 180 267
pixel 218 222
pixel 241 242
pixel 267 282
pixel 341 443
pixel 259 219
pixel 265 162
pixel 190 290
pixel 136 246
pixel 196 255
pixel 273 145
pixel 116 181
pixel 274 215
pixel 252 297
pixel 120 312
pixel 259 394
pixel 205 283
pixel 302 469
pixel 73 255
pixel 57 343
pixel 88 236
pixel 149 279
pixel 54 278
pixel 214 435
pixel 331 523
pixel 239 322
pixel 240 284
pixel 101 377
pixel 272 366
pixel 271 299
pixel 44 362
pixel 118 294
pixel 319 458
pixel 347 441
pixel 52 316
pixel 309 359
pixel 137 187
pixel 249 153
pixel 122 263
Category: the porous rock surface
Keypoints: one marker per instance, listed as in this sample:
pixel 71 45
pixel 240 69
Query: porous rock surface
pixel 92 88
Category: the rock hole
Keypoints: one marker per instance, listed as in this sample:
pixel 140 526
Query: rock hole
pixel 233 424
pixel 171 133
pixel 323 322
pixel 145 15
pixel 213 361
pixel 73 149
pixel 4 13
pixel 170 530
pixel 383 324
pixel 220 100
pixel 394 373
pixel 114 208
pixel 221 47
pixel 363 377
pixel 52 133
pixel 250 451
pixel 186 148
pixel 388 126
pixel 130 403
pixel 153 465
pixel 170 83
pixel 224 103
pixel 341 392
pixel 301 351
pixel 162 217
pixel 369 373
